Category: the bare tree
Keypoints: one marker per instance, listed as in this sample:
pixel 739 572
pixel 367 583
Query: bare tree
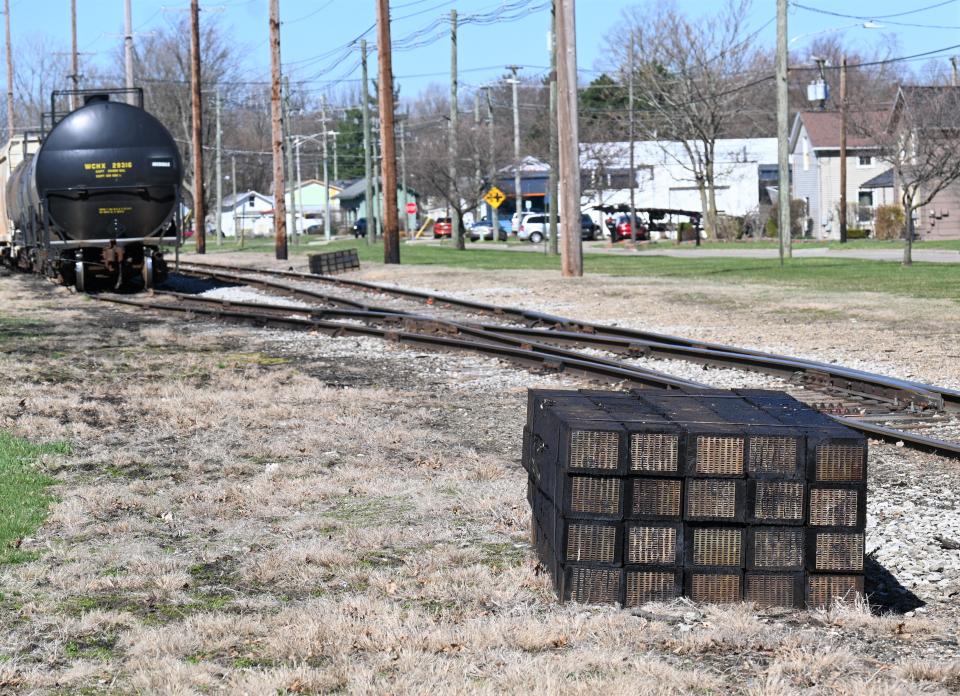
pixel 921 142
pixel 693 78
pixel 162 67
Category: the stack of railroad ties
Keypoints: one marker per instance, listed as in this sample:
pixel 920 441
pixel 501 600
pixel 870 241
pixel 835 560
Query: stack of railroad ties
pixel 721 496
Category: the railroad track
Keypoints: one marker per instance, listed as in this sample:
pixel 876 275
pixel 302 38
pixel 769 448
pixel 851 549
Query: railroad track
pixel 869 403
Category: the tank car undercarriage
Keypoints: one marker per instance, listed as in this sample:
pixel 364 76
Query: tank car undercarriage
pixel 109 266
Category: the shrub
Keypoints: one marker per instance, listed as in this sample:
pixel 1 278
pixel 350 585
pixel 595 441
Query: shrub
pixel 798 218
pixel 857 233
pixel 888 222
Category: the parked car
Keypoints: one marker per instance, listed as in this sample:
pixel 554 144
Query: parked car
pixel 589 229
pixel 484 228
pixel 623 229
pixel 442 227
pixel 536 228
pixel 360 228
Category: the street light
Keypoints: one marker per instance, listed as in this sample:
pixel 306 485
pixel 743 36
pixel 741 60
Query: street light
pixel 861 25
pixel 298 140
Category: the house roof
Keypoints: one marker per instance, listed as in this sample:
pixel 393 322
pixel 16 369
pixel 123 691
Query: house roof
pixel 230 202
pixel 823 129
pixel 884 180
pixel 942 102
pixel 358 189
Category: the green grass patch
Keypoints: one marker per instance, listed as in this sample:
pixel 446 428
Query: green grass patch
pixel 923 280
pixel 23 497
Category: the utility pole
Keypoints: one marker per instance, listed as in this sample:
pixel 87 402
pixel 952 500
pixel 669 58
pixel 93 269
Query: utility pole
pixel 288 130
pixel 843 150
pixel 492 137
pixel 391 225
pixel 367 145
pixel 199 214
pixel 783 135
pixel 336 170
pixel 74 57
pixel 632 128
pixel 567 133
pixel 516 144
pixel 233 183
pixel 276 117
pixel 326 172
pixel 552 183
pixel 219 174
pixel 298 142
pixel 128 50
pixel 454 128
pixel 956 76
pixel 403 175
pixel 6 13
pixel 377 181
pixel 477 171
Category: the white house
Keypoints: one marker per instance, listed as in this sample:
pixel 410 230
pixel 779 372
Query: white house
pixel 815 168
pixel 243 211
pixel 665 177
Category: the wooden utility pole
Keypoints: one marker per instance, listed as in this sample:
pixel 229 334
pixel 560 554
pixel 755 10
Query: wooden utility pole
pixel 74 56
pixel 276 117
pixel 10 123
pixel 633 163
pixel 367 144
pixel 783 134
pixel 199 214
pixel 492 138
pixel 453 145
pixel 569 139
pixel 518 193
pixel 956 76
pixel 233 183
pixel 403 174
pixel 377 201
pixel 552 181
pixel 219 171
pixel 288 139
pixel 326 172
pixel 843 150
pixel 128 51
pixel 391 225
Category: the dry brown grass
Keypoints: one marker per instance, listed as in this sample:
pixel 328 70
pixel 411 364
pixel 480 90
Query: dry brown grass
pixel 241 525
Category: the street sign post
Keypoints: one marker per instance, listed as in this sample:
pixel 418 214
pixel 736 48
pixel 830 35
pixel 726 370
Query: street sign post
pixel 495 197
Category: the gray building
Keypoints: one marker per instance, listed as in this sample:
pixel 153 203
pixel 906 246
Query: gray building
pixel 815 167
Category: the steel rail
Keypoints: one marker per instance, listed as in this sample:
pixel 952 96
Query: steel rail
pixel 547 357
pixel 527 354
pixel 893 390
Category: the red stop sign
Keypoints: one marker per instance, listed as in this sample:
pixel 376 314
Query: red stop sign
pixel 411 208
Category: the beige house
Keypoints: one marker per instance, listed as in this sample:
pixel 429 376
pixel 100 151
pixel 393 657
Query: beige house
pixel 815 169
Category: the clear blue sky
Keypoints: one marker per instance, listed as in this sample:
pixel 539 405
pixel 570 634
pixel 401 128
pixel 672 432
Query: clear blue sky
pixel 315 28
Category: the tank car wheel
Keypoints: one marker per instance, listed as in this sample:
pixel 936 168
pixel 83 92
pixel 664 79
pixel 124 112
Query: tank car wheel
pixel 149 278
pixel 80 280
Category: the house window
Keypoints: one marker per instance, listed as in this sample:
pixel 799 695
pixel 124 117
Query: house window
pixel 865 161
pixel 806 155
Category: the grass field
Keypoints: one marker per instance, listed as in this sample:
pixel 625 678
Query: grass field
pixel 23 496
pixel 924 280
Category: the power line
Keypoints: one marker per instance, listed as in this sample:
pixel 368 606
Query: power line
pixel 887 16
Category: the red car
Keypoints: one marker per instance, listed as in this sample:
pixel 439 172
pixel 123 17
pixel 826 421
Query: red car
pixel 442 227
pixel 622 230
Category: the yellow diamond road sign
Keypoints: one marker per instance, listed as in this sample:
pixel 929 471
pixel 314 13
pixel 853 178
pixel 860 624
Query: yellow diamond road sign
pixel 495 197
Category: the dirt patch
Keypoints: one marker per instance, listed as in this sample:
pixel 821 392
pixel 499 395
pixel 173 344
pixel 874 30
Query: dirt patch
pixel 257 511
